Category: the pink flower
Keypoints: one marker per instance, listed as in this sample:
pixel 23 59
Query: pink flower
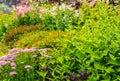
pixel 2 63
pixel 27 9
pixel 22 10
pixel 41 10
pixel 12 64
pixel 29 50
pixel 12 73
pixel 3 58
pixel 28 67
pixel 25 50
pixel 10 57
pixel 14 50
pixel 19 11
pixel 24 2
pixel 32 49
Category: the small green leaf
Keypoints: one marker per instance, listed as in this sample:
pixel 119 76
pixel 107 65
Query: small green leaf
pixel 109 69
pixel 118 60
pixel 115 62
pixel 41 73
pixel 99 66
pixel 112 56
pixel 60 59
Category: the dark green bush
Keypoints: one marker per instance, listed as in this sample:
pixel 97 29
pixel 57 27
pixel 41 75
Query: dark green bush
pixel 61 21
pixel 30 18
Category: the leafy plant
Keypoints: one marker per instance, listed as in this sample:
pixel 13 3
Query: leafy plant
pixel 27 62
pixel 3 49
pixel 6 20
pixel 54 17
pixel 42 39
pixel 60 19
pixel 30 18
pixel 13 34
pixel 88 48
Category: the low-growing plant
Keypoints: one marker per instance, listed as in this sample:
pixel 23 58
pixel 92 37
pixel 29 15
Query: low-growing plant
pixel 30 18
pixel 13 35
pixel 90 52
pixel 61 18
pixel 42 39
pixel 54 17
pixel 6 21
pixel 3 49
pixel 21 63
pixel 95 47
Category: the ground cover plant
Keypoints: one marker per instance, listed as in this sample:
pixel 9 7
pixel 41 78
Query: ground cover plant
pixel 17 31
pixel 66 45
pixel 42 39
pixel 6 20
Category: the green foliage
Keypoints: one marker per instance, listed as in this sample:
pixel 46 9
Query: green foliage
pixel 6 20
pixel 94 16
pixel 13 34
pixel 42 39
pixel 88 48
pixel 60 20
pixel 30 18
pixel 94 46
pixel 39 2
pixel 3 49
pixel 20 62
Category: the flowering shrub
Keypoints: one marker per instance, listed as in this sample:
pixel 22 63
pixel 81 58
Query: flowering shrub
pixel 22 10
pixel 59 17
pixel 12 73
pixel 82 47
pixel 54 17
pixel 15 64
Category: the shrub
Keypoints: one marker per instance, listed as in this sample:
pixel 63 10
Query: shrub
pixel 91 52
pixel 42 39
pixel 20 63
pixel 54 17
pixel 30 18
pixel 95 47
pixel 6 21
pixel 58 22
pixel 13 34
pixel 3 49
